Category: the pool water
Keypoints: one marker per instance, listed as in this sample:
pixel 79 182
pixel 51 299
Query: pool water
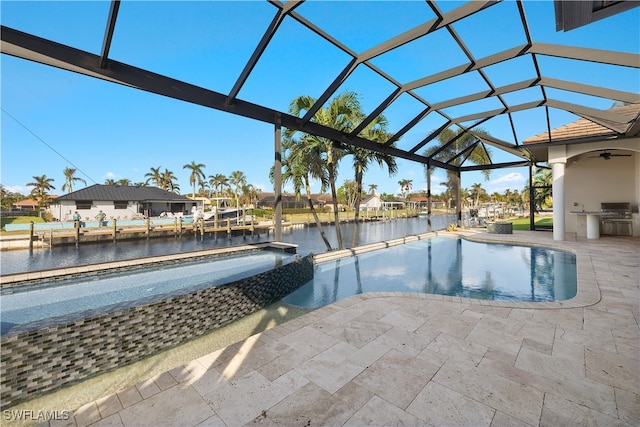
pixel 112 291
pixel 446 266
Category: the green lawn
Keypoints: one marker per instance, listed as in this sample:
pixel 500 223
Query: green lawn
pixel 523 223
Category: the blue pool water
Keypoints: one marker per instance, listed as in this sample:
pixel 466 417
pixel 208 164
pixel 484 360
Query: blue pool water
pixel 446 266
pixel 108 292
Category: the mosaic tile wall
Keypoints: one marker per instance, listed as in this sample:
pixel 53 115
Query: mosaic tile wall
pixel 40 361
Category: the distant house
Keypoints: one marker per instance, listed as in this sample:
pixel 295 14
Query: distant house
pixel 289 201
pixel 418 202
pixel 120 202
pixel 422 202
pixel 31 204
pixel 371 202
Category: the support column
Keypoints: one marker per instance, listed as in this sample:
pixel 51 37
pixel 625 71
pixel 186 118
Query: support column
pixel 277 178
pixel 428 197
pixel 558 160
pixel 532 202
pixel 459 198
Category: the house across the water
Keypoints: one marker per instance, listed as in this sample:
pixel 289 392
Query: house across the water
pixel 120 202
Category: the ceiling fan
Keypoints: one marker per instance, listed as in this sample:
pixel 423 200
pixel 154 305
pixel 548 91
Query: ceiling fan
pixel 607 155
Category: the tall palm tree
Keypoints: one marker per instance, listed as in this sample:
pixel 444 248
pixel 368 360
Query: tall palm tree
pixel 218 181
pixel 375 131
pixel 41 185
pixel 167 179
pixel 302 163
pixel 372 188
pixel 347 193
pixel 476 192
pixel 406 185
pixel 237 179
pixel 340 114
pixel 154 175
pixel 70 179
pixel 446 153
pixel 204 186
pixel 251 193
pixel 196 176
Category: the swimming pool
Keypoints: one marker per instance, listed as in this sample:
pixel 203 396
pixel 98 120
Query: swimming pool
pixel 75 298
pixel 446 266
pixel 58 332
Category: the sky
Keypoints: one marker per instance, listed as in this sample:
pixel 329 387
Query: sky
pixel 52 119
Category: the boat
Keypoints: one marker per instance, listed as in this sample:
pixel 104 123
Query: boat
pixel 223 210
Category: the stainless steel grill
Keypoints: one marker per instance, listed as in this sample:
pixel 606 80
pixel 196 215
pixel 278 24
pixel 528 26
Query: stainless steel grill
pixel 616 219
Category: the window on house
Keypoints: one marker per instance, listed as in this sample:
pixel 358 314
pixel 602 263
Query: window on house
pixel 120 205
pixel 83 204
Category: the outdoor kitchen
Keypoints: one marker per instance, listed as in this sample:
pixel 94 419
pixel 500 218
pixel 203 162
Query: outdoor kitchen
pixel 616 219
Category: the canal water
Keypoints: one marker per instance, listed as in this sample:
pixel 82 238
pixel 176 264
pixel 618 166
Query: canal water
pixel 307 238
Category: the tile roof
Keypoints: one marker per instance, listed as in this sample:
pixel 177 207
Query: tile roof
pixel 124 193
pixel 584 128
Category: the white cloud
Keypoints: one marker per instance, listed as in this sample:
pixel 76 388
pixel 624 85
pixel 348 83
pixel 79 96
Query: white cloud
pixel 511 181
pixel 18 189
pixel 110 175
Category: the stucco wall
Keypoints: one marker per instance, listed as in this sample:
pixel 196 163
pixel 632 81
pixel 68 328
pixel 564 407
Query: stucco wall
pixel 592 181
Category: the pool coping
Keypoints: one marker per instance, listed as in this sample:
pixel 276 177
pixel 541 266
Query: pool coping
pixel 587 294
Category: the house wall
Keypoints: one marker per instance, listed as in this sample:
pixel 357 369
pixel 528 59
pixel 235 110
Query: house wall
pixel 64 210
pixel 375 203
pixel 592 181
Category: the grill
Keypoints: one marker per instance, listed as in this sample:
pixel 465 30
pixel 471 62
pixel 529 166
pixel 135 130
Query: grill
pixel 616 219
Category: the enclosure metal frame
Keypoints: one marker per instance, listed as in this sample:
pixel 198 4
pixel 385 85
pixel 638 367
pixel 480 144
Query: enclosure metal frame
pixel 48 52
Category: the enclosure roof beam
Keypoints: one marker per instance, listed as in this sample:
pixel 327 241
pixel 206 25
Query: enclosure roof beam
pixel 108 32
pixel 27 46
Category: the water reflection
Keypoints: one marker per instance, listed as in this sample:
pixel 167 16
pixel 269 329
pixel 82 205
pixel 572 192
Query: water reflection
pixel 453 267
pixel 308 240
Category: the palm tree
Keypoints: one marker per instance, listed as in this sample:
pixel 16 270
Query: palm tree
pixel 156 176
pixel 124 182
pixel 447 153
pixel 70 179
pixel 218 181
pixel 347 194
pixel 109 181
pixel 237 179
pixel 41 185
pixel 204 186
pixel 406 185
pixel 375 131
pixel 196 176
pixel 251 193
pixel 302 163
pixel 340 114
pixel 542 183
pixel 372 188
pixel 476 192
pixel 167 179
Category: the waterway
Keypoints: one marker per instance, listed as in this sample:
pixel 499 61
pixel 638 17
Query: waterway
pixel 307 238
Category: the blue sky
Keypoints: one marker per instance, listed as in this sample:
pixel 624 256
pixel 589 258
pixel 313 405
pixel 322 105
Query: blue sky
pixel 53 119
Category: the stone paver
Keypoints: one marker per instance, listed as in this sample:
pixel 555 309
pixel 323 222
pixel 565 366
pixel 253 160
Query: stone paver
pixel 412 359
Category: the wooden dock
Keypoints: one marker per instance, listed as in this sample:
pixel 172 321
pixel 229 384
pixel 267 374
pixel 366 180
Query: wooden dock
pixel 114 232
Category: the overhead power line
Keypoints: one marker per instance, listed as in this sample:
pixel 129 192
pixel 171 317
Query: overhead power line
pixel 48 146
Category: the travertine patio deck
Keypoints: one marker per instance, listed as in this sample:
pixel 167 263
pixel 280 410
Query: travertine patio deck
pixel 412 359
